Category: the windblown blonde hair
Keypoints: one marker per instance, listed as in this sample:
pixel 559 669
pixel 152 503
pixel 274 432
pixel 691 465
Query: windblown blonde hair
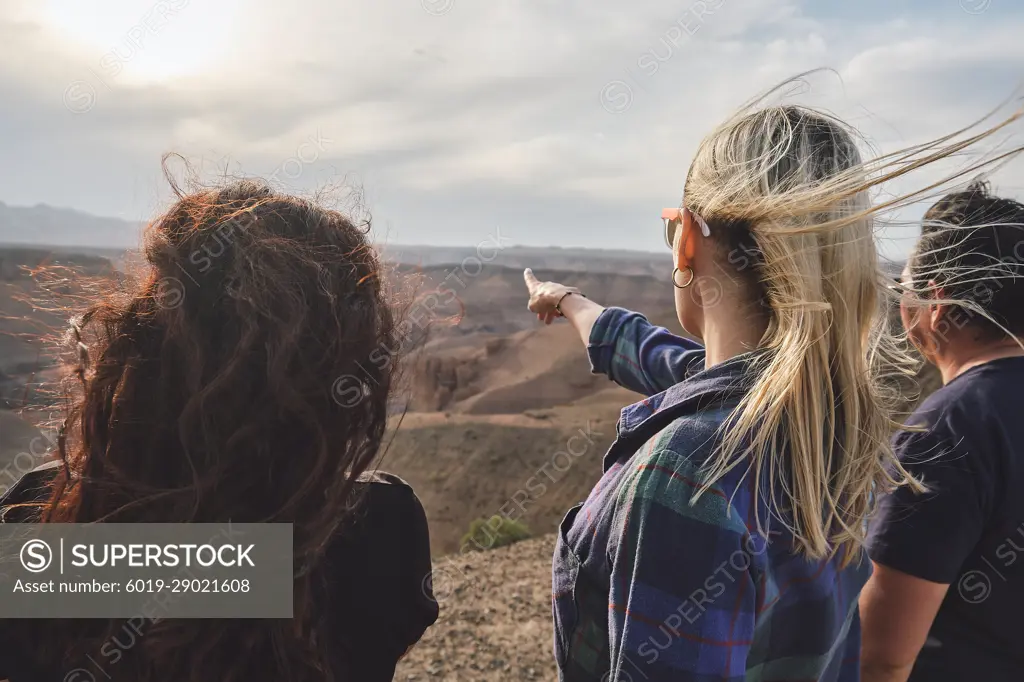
pixel 820 414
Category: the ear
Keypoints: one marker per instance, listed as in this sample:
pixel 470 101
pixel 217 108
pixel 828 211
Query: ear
pixel 936 311
pixel 685 248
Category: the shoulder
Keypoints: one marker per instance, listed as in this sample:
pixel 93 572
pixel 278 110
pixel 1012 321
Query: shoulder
pixel 387 530
pixel 958 421
pixel 694 436
pixel 385 502
pixel 382 483
pixel 971 399
pixel 33 487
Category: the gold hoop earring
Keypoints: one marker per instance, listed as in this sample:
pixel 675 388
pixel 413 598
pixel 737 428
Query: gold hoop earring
pixel 688 282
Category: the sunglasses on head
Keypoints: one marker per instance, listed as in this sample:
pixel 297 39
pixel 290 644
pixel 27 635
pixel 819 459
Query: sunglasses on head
pixel 673 218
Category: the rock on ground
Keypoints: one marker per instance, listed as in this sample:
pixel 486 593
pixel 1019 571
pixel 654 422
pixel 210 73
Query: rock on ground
pixel 495 621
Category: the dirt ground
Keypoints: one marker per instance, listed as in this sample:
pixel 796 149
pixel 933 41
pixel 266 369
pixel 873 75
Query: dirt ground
pixel 495 621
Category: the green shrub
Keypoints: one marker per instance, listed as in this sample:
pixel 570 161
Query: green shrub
pixel 492 533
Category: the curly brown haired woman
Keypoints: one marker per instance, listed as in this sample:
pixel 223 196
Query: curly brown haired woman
pixel 208 395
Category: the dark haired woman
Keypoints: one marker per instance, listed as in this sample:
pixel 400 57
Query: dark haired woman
pixel 947 594
pixel 209 394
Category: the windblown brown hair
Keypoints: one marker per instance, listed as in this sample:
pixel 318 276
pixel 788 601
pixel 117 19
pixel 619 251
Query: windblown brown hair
pixel 207 394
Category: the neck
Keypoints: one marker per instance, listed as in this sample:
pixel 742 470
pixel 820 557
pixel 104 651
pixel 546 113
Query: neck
pixel 727 334
pixel 956 365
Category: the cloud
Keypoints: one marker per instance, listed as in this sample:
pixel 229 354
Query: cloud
pixel 457 116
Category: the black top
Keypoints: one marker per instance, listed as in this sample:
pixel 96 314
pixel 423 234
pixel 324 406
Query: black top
pixel 968 530
pixel 377 599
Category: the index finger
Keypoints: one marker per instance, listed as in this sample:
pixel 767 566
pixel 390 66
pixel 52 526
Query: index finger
pixel 531 281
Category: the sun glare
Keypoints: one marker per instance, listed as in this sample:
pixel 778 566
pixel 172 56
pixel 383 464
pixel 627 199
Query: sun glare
pixel 147 41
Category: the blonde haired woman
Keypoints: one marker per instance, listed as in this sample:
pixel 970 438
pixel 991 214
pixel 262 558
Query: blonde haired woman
pixel 724 540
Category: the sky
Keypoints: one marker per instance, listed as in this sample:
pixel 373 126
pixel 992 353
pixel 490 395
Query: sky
pixel 560 123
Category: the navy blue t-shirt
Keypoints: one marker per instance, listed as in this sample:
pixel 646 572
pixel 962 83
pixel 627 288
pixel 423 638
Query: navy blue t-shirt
pixel 968 530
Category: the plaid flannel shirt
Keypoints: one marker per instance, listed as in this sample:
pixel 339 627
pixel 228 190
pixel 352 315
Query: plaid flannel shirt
pixel 653 585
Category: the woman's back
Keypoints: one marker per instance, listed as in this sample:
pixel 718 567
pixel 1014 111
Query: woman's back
pixel 716 594
pixel 207 393
pixel 969 531
pixel 372 610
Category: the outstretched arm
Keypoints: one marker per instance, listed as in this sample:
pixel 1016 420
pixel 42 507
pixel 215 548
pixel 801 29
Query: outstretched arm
pixel 621 344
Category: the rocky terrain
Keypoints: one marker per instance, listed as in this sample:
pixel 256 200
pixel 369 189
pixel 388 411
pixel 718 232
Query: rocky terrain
pixel 495 622
pixel 483 352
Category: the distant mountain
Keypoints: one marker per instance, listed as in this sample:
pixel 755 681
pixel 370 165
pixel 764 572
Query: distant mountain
pixel 49 226
pixel 43 225
pixel 468 260
pixel 63 228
